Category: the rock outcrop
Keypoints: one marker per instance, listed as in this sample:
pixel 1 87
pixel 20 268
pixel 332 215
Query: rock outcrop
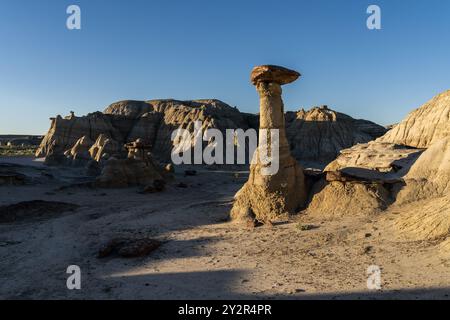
pixel 398 149
pixel 425 220
pixel 339 198
pixel 423 126
pixel 152 121
pixel 65 132
pixel 79 154
pixel 317 136
pixel 104 147
pixel 123 173
pixel 429 176
pixel 424 195
pixel 377 156
pixel 409 163
pixel 362 179
pixel 269 195
pixel 138 169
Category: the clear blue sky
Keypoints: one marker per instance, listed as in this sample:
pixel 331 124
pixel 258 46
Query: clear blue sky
pixel 190 49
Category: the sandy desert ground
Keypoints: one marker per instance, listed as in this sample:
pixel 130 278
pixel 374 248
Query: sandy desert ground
pixel 203 255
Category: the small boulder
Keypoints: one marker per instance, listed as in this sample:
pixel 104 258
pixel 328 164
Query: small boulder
pixel 128 248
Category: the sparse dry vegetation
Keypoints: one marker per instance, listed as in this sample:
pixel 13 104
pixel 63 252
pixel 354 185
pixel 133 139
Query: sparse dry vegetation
pixel 17 151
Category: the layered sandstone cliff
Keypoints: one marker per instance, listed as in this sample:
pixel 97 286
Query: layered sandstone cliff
pixel 318 135
pixel 315 136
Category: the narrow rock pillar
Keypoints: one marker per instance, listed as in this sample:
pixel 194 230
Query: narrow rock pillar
pixel 267 197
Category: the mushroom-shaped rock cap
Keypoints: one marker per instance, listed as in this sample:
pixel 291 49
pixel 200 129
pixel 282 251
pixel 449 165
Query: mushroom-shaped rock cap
pixel 275 74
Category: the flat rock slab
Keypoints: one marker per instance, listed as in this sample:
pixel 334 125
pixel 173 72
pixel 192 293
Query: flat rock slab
pixel 379 156
pixel 361 175
pixel 269 73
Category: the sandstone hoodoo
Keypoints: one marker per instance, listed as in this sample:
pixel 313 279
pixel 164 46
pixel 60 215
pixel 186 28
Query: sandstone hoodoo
pixel 266 197
pixel 138 169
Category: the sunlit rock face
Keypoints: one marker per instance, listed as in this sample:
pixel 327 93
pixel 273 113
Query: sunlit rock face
pixel 425 125
pixel 408 164
pixel 152 121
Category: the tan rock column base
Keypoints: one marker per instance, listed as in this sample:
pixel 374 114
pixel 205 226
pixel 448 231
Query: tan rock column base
pixel 266 198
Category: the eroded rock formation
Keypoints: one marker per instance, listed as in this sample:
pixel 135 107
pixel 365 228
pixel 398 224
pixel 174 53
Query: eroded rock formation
pixel 65 132
pixel 318 135
pixel 79 154
pixel 152 121
pixel 429 176
pixel 425 220
pixel 122 173
pixel 423 126
pixel 425 197
pixel 315 136
pixel 409 163
pixel 266 197
pixel 104 147
pixel 138 169
pixel 376 156
pixel 337 198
